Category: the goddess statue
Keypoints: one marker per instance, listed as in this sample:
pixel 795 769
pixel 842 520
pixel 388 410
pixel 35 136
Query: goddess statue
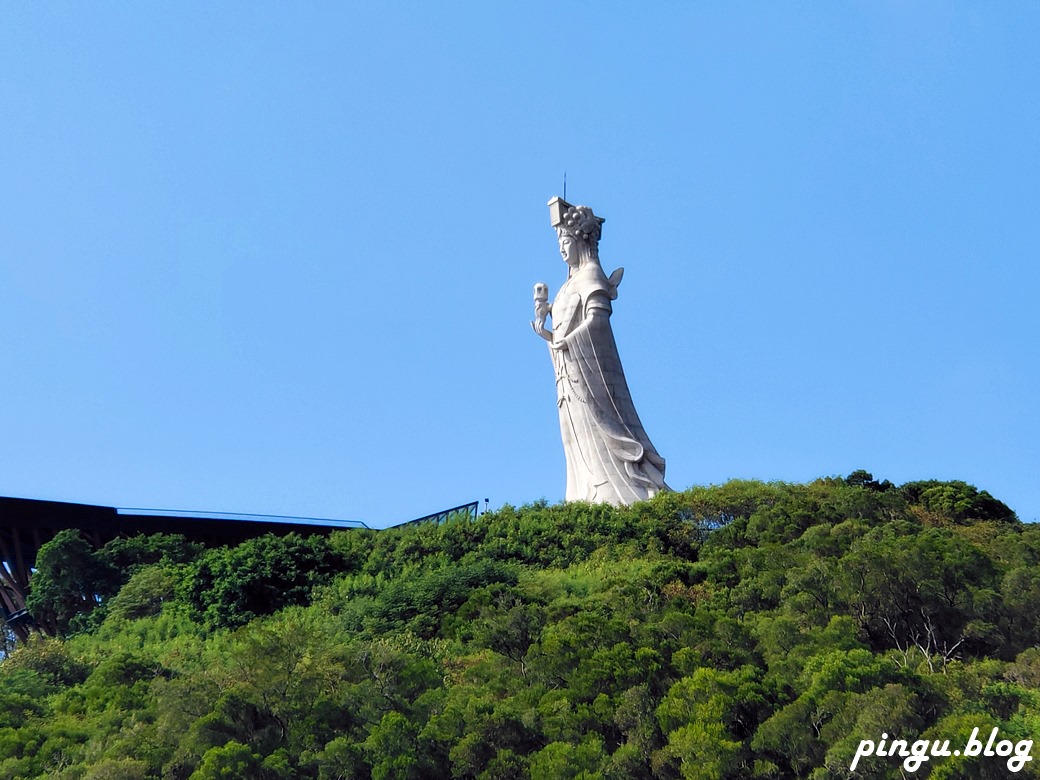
pixel 609 456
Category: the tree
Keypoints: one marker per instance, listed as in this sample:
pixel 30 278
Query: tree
pixel 232 761
pixel 229 586
pixel 69 580
pixel 706 717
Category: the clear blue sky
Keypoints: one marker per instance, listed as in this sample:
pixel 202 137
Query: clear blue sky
pixel 278 257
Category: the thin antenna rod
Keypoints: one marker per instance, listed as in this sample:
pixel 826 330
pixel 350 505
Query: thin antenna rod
pixel 565 185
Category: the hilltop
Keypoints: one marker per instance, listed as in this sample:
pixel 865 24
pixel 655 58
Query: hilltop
pixel 746 630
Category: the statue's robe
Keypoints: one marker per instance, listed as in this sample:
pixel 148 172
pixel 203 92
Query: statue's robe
pixel 609 456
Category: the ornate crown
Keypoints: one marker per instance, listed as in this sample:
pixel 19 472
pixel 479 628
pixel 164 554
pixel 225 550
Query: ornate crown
pixel 576 221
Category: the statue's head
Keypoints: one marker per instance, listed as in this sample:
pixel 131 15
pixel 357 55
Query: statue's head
pixel 578 230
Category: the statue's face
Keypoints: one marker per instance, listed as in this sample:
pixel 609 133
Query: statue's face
pixel 569 250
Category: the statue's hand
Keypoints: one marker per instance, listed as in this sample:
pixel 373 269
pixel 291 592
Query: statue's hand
pixel 539 328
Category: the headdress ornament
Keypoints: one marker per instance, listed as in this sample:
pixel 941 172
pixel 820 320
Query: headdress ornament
pixel 576 221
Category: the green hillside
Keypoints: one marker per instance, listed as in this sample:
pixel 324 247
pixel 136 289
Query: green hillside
pixel 747 630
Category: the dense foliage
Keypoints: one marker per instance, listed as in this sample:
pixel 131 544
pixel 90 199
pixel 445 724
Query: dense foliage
pixel 746 630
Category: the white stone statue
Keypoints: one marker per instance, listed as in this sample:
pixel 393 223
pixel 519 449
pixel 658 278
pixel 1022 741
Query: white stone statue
pixel 609 456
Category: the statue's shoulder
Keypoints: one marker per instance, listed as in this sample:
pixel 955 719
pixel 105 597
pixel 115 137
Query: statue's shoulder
pixel 589 281
pixel 594 289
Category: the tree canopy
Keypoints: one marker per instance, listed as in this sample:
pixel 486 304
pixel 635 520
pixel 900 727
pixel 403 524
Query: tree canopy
pixel 746 630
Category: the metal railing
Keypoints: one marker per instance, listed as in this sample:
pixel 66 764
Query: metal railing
pixel 469 510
